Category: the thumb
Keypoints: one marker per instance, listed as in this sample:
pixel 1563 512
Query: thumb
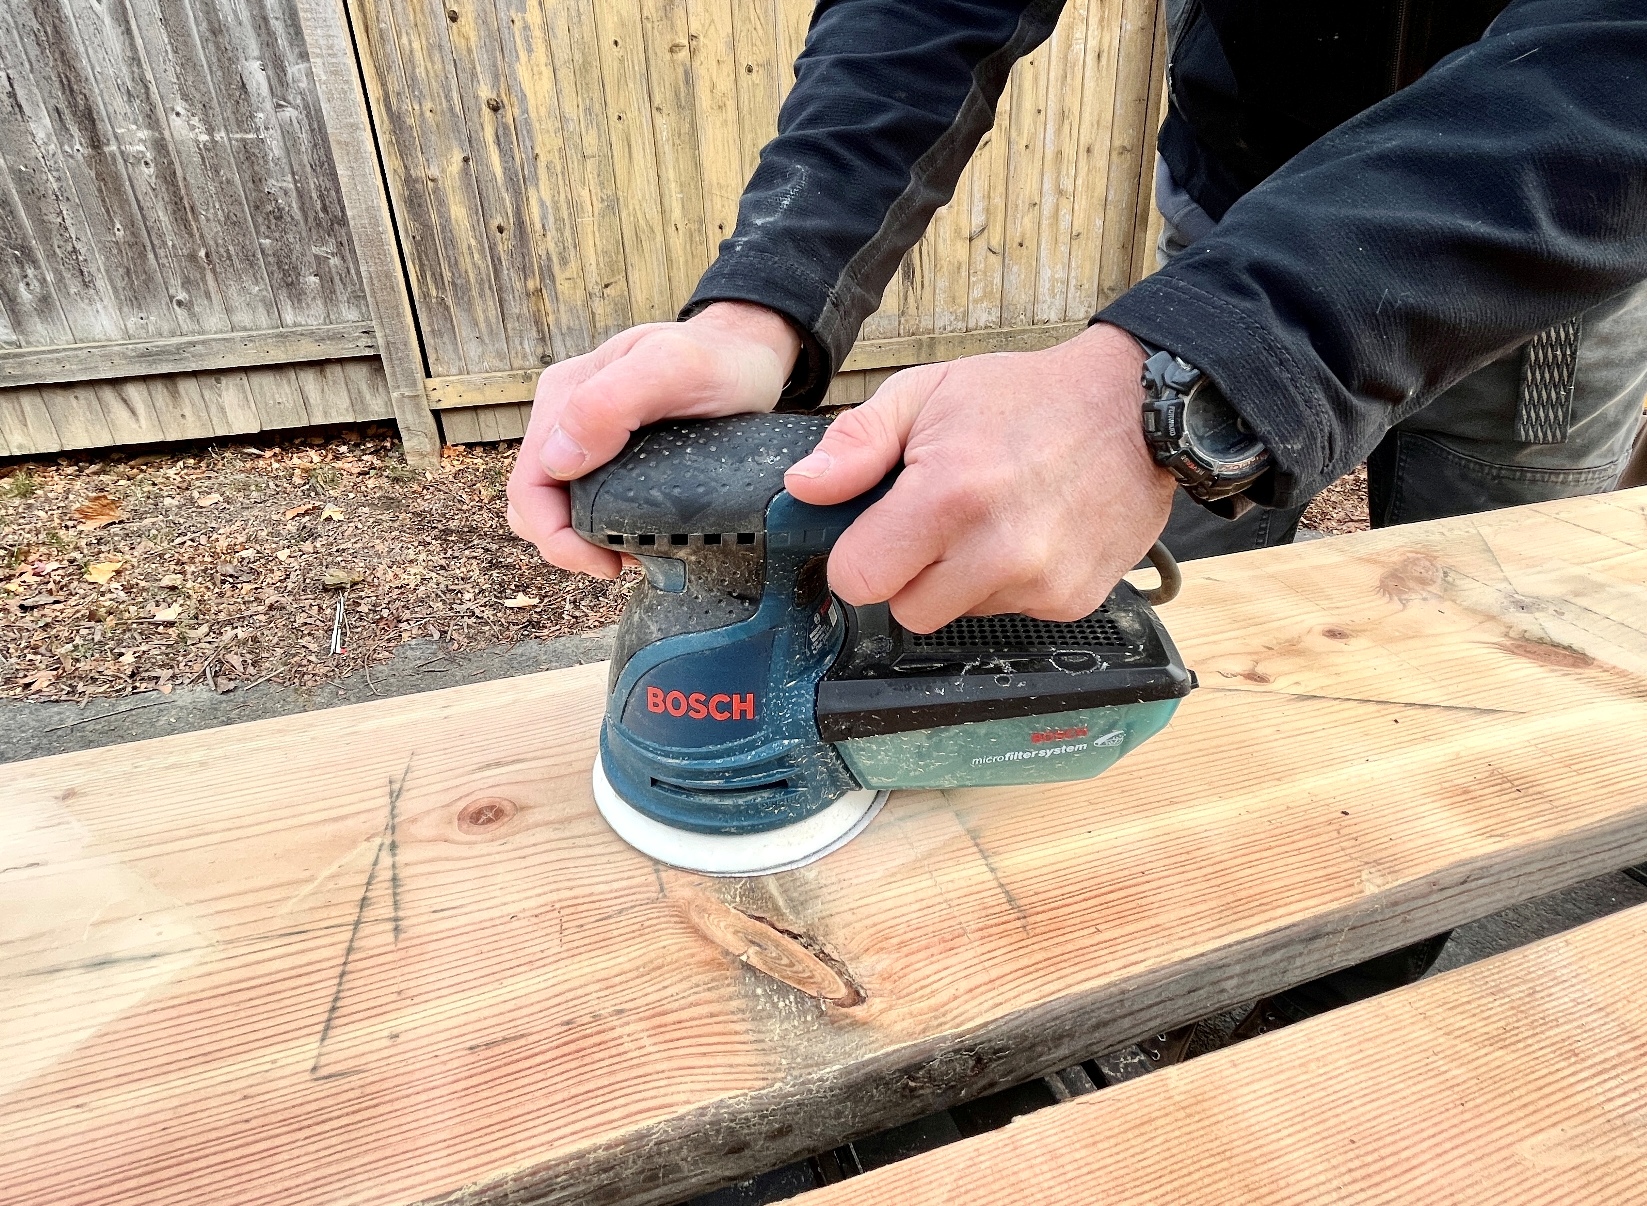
pixel 864 444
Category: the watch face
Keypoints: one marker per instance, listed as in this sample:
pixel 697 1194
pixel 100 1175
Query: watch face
pixel 1214 431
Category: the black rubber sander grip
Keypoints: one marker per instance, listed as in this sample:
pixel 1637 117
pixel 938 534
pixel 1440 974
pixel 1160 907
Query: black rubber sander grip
pixel 701 476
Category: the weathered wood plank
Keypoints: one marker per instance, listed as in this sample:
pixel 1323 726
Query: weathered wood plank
pixel 339 86
pixel 1088 206
pixel 483 389
pixel 1026 138
pixel 624 79
pixel 673 116
pixel 1131 144
pixel 73 182
pixel 1518 1080
pixel 574 46
pixel 186 353
pixel 230 971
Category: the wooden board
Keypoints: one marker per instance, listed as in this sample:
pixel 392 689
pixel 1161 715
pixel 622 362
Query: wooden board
pixel 186 353
pixel 1521 1079
pixel 390 952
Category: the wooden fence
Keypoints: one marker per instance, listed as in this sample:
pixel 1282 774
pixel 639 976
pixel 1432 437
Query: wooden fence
pixel 522 178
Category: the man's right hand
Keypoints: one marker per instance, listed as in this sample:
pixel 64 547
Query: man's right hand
pixel 730 358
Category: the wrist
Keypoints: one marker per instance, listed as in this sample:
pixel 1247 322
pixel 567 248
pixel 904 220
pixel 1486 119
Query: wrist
pixel 756 324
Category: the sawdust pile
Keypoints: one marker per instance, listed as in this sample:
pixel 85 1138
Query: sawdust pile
pixel 128 574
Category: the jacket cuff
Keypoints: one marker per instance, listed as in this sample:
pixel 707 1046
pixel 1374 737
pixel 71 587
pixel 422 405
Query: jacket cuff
pixel 783 286
pixel 1282 401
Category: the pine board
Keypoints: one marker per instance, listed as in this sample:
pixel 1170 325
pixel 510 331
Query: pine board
pixel 1521 1079
pixel 389 953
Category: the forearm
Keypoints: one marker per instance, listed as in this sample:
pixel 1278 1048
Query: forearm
pixel 890 101
pixel 1504 191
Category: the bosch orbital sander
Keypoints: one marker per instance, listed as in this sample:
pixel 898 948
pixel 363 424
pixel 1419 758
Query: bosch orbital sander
pixel 754 722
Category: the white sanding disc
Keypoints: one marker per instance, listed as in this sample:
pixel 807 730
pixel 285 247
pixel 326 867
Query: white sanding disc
pixel 738 853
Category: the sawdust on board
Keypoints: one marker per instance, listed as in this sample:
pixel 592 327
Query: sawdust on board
pixel 122 574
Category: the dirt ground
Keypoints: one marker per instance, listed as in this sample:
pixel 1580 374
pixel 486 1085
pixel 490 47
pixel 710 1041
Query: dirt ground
pixel 122 574
pixel 1341 507
pixel 127 573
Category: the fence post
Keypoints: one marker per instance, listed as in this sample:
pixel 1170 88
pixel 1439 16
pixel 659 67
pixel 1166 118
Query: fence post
pixel 366 203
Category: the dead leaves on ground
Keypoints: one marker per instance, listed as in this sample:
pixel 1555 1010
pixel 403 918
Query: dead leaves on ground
pixel 223 566
pixel 98 511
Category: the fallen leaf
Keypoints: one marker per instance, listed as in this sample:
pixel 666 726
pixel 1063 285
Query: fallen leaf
pixel 195 634
pixel 38 601
pixel 40 680
pixel 207 500
pixel 336 579
pixel 283 554
pixel 101 571
pixel 172 581
pixel 331 513
pixel 300 509
pixel 521 601
pixel 99 511
pixel 167 615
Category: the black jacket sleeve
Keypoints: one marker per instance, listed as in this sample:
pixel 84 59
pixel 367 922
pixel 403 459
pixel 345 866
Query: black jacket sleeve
pixel 891 98
pixel 1503 192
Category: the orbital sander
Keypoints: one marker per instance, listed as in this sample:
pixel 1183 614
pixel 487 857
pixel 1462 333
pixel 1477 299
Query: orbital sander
pixel 755 723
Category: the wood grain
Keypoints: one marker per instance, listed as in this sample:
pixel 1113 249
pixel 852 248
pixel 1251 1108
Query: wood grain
pixel 184 353
pixel 391 953
pixel 1520 1079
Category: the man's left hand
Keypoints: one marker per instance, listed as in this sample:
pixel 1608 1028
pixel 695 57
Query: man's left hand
pixel 1027 485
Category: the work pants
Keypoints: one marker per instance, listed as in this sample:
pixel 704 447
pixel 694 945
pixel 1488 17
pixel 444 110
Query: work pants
pixel 1456 456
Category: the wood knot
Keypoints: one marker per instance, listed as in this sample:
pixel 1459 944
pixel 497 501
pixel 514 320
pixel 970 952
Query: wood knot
pixel 1336 634
pixel 1416 576
pixel 796 959
pixel 485 815
pixel 1549 655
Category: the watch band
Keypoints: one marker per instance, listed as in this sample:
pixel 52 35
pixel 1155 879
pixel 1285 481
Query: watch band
pixel 1194 433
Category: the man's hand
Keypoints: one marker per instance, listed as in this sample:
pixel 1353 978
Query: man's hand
pixel 1027 484
pixel 730 358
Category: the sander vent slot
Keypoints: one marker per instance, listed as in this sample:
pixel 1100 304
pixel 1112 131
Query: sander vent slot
pixel 1021 633
pixel 701 790
pixel 679 540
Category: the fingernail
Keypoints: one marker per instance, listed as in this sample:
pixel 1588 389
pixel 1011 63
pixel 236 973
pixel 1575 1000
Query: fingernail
pixel 562 455
pixel 814 464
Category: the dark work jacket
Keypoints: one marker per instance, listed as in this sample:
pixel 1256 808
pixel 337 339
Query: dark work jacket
pixel 1406 190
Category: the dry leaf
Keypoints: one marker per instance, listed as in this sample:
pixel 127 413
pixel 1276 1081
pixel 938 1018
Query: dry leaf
pixel 521 601
pixel 207 500
pixel 99 511
pixel 331 513
pixel 167 615
pixel 300 509
pixel 101 571
pixel 336 579
pixel 172 581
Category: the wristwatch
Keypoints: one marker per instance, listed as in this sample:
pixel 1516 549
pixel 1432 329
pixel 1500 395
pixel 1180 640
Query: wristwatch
pixel 1195 434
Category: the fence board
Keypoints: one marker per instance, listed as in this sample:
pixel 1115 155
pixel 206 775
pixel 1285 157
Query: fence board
pixel 169 201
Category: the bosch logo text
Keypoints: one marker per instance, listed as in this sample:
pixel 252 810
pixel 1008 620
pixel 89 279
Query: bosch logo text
pixel 1057 735
pixel 699 706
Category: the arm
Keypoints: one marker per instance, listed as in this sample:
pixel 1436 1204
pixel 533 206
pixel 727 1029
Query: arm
pixel 890 101
pixel 1504 191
